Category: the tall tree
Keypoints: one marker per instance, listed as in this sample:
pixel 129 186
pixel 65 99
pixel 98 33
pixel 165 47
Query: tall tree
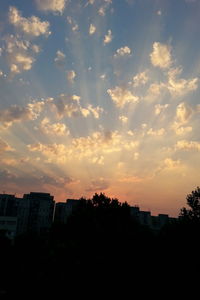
pixel 193 201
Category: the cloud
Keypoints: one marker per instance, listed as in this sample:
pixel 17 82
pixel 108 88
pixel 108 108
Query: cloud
pixel 9 161
pixel 108 37
pixel 130 132
pixel 98 185
pixel 95 111
pixel 155 90
pixel 158 132
pixel 182 130
pixel 99 160
pixel 103 76
pixel 69 106
pixel 187 145
pixel 60 58
pixel 73 23
pixel 56 6
pixel 31 26
pixel 183 113
pixel 34 180
pixel 58 129
pixel 6 175
pixel 19 54
pixel 16 113
pixel 124 119
pixel 161 55
pixel 92 29
pixel 22 62
pixel 171 164
pixel 140 79
pixel 94 147
pixel 180 87
pixel 91 2
pixel 124 51
pixel 4 146
pixel 121 96
pixel 71 76
pixel 104 7
pixel 159 108
pixel 130 179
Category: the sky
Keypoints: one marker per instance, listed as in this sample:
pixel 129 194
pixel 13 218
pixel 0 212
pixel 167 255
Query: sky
pixel 101 96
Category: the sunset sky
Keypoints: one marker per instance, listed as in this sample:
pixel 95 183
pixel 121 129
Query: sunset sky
pixel 101 96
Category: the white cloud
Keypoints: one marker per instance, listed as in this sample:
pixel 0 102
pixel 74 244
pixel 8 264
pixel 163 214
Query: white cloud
pixel 121 96
pixel 69 106
pixel 155 91
pixel 17 113
pixel 130 132
pixel 35 48
pixel 95 111
pixel 31 26
pixel 183 113
pixel 94 147
pixel 140 79
pixel 99 160
pixel 181 130
pixel 187 145
pixel 123 51
pixel 4 146
pixel 19 54
pixel 22 62
pixel 97 185
pixel 161 55
pixel 71 76
pixel 58 129
pixel 180 87
pixel 171 164
pixel 103 76
pixel 159 108
pixel 60 58
pixel 108 37
pixel 136 155
pixel 158 132
pixel 104 7
pixel 92 29
pixel 73 23
pixel 56 6
pixel 124 119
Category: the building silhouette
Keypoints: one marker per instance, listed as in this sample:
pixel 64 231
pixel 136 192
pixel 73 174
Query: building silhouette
pixel 35 213
pixel 145 218
pixel 41 210
pixel 31 214
pixel 64 209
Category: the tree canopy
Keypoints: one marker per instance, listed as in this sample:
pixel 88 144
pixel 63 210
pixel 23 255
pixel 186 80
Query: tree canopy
pixel 193 201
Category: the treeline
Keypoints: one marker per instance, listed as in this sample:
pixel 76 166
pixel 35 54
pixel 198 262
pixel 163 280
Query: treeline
pixel 102 243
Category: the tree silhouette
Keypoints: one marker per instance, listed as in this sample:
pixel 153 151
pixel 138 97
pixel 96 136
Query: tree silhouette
pixel 193 201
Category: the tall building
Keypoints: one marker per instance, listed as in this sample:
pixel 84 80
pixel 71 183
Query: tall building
pixel 8 205
pixel 8 215
pixel 41 210
pixel 8 227
pixel 64 209
pixel 32 213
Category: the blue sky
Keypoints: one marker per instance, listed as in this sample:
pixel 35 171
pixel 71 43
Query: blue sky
pixel 101 96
